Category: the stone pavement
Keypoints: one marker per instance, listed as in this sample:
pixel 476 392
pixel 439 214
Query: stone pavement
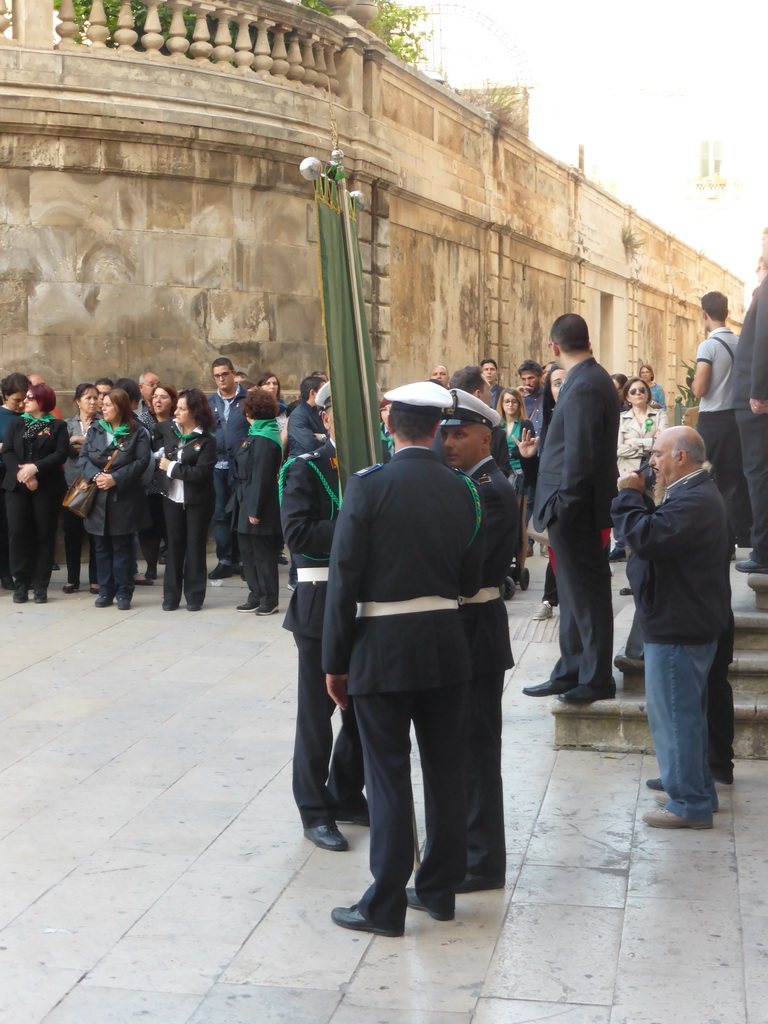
pixel 153 866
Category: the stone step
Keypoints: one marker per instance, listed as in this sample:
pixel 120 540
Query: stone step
pixel 748 673
pixel 758 582
pixel 621 726
pixel 751 631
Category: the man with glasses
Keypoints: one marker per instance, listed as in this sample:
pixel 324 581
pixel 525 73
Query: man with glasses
pixel 231 428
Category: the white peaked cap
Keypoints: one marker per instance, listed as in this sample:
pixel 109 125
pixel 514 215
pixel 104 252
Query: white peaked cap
pixel 423 396
pixel 470 409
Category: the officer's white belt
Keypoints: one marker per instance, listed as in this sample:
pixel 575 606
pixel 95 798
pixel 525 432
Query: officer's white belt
pixel 372 609
pixel 313 575
pixel 483 595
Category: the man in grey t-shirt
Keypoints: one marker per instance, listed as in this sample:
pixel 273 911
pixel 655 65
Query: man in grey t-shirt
pixel 713 385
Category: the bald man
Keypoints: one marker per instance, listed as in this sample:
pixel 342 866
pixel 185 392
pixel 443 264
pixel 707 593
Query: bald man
pixel 679 575
pixel 440 374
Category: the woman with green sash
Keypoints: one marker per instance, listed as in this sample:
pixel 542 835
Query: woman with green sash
pixel 35 448
pixel 256 514
pixel 185 449
pixel 115 453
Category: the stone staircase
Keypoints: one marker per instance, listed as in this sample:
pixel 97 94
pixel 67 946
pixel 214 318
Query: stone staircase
pixel 621 725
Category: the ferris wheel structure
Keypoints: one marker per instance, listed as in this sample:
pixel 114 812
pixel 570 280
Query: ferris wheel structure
pixel 498 45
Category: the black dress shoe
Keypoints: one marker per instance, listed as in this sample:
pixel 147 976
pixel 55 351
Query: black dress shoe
pixel 41 597
pixel 723 777
pixel 247 607
pixel 618 555
pixel 479 883
pixel 548 689
pixel 20 595
pixel 102 602
pixel 350 917
pixel 123 604
pixel 194 607
pixel 221 572
pixel 749 565
pixel 587 695
pixel 170 606
pixel 7 583
pixel 327 837
pixel 415 904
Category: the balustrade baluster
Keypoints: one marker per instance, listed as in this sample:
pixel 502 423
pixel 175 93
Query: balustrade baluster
pixel 308 60
pixel 223 50
pixel 67 27
pixel 152 38
pixel 177 41
pixel 280 63
pixel 330 63
pixel 295 70
pixel 322 73
pixel 244 57
pixel 5 21
pixel 262 61
pixel 125 36
pixel 97 31
pixel 201 45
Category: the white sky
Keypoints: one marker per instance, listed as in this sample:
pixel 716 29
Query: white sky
pixel 639 85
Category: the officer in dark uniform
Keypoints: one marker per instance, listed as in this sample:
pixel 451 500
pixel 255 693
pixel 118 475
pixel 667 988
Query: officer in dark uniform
pixel 309 509
pixel 407 544
pixel 466 439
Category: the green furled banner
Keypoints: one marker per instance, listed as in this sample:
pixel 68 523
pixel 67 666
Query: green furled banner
pixel 350 360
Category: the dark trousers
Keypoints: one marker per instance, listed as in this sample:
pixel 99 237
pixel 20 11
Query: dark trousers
pixel 186 539
pixel 33 517
pixel 486 846
pixel 320 793
pixel 384 720
pixel 151 536
pixel 586 609
pixel 5 565
pixel 550 585
pixel 74 531
pixel 754 453
pixel 720 434
pixel 224 535
pixel 259 554
pixel 114 564
pixel 720 724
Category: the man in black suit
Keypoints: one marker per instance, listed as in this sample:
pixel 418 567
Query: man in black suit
pixel 309 508
pixel 750 399
pixel 466 439
pixel 575 487
pixel 407 544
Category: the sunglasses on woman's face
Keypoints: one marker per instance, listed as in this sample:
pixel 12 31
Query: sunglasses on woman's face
pixel 638 391
pixel 30 398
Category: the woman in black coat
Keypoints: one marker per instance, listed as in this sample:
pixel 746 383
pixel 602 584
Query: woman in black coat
pixel 35 449
pixel 186 454
pixel 120 508
pixel 87 401
pixel 257 509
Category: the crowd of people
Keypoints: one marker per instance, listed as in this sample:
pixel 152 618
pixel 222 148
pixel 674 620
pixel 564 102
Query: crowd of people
pixel 397 591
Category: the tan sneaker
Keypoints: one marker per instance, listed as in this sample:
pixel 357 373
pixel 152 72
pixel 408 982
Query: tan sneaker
pixel 666 819
pixel 544 611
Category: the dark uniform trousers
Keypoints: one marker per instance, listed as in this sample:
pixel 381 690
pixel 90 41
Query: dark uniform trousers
pixel 754 450
pixel 32 520
pixel 720 717
pixel 185 556
pixel 319 800
pixel 259 554
pixel 586 611
pixel 486 846
pixel 720 434
pixel 384 721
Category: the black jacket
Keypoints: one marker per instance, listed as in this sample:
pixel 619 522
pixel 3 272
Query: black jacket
pixel 577 469
pixel 256 470
pixel 406 530
pixel 123 508
pixel 48 450
pixel 303 423
pixel 198 457
pixel 486 625
pixel 750 365
pixel 679 561
pixel 309 508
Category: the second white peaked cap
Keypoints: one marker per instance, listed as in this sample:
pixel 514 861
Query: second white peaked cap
pixel 323 396
pixel 470 409
pixel 423 396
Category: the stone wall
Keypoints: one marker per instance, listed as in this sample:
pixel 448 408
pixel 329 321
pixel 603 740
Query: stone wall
pixel 152 215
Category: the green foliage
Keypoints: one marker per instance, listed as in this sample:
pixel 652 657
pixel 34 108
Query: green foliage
pixel 686 390
pixel 507 103
pixel 397 24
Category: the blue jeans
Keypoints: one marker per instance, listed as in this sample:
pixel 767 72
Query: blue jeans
pixel 676 699
pixel 115 560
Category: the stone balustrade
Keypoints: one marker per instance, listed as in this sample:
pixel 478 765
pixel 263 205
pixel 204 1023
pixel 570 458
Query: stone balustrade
pixel 276 40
